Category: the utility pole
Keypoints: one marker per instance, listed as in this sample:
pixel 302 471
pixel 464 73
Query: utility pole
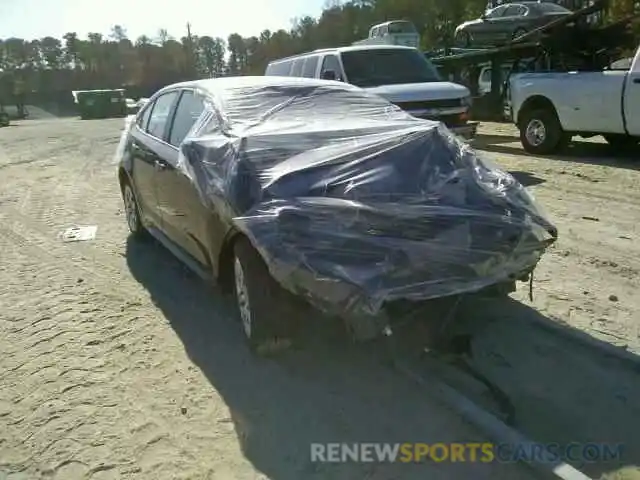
pixel 191 62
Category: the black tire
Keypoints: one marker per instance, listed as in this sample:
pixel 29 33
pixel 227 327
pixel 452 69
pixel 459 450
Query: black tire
pixel 541 132
pixel 132 212
pixel 260 302
pixel 620 142
pixel 463 39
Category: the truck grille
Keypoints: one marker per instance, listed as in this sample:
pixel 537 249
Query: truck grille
pixel 429 104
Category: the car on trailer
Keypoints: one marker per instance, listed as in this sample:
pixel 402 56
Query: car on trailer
pixel 507 22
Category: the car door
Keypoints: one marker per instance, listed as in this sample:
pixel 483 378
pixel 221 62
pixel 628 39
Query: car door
pixel 146 151
pixel 487 30
pixel 508 22
pixel 631 100
pixel 184 217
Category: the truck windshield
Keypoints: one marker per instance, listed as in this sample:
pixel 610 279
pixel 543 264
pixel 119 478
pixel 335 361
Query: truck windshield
pixel 390 66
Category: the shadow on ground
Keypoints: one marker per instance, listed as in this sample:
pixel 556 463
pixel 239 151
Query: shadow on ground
pixel 588 153
pixel 563 390
pixel 329 390
pixel 526 179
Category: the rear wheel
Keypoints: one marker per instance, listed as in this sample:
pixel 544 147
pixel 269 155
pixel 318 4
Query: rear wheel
pixel 259 300
pixel 541 132
pixel 132 212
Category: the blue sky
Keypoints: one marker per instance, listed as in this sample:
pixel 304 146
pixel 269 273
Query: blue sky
pixel 38 18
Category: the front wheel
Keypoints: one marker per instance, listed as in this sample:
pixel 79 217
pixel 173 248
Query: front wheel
pixel 541 132
pixel 259 300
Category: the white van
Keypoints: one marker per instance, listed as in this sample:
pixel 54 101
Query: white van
pixel 402 75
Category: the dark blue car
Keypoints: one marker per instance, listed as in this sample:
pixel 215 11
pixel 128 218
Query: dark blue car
pixel 287 189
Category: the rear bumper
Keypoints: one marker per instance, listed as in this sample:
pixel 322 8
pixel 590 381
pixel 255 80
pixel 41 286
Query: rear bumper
pixel 467 131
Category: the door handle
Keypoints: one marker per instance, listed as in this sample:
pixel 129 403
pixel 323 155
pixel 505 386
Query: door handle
pixel 136 148
pixel 636 80
pixel 160 165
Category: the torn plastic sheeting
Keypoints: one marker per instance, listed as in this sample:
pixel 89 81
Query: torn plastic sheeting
pixel 352 202
pixel 120 149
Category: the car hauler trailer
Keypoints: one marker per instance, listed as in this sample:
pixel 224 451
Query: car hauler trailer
pixel 570 43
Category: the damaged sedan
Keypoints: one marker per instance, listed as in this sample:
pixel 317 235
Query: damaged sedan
pixel 282 189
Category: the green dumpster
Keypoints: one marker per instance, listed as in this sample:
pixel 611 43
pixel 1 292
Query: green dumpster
pixel 101 103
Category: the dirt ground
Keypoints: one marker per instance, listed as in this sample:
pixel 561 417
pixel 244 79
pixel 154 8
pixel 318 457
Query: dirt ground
pixel 116 362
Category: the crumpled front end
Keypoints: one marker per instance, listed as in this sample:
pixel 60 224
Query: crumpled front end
pixel 403 230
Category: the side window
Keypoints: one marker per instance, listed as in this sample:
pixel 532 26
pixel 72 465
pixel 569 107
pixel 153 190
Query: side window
pixel 496 12
pixel 280 69
pixel 189 110
pixel 374 32
pixel 160 114
pixel 285 68
pixel 512 11
pixel 330 62
pixel 310 67
pixel 384 30
pixel 143 120
pixel 296 70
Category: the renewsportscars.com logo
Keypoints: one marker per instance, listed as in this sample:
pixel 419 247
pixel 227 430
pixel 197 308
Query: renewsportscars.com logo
pixel 463 452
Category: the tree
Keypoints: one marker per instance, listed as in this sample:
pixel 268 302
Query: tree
pixel 71 63
pixel 210 54
pixel 52 52
pixel 118 33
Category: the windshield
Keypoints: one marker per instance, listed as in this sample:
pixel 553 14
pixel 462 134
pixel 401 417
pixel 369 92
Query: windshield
pixel 401 27
pixel 375 67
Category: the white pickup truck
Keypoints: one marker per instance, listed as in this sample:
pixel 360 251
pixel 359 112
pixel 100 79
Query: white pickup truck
pixel 550 108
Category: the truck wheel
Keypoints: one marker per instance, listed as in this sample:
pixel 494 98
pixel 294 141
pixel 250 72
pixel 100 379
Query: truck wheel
pixel 541 132
pixel 258 299
pixel 621 142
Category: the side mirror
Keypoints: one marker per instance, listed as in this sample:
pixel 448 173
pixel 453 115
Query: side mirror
pixel 329 75
pixel 483 16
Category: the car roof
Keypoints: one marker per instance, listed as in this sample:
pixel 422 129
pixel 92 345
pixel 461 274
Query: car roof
pixel 213 85
pixel 530 4
pixel 349 48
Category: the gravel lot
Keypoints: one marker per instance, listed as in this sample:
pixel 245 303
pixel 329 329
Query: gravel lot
pixel 118 363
